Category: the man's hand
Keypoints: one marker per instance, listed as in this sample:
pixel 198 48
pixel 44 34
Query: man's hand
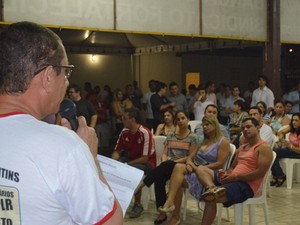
pixel 87 134
pixel 227 178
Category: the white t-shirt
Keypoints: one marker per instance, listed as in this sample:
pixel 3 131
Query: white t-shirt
pixel 266 134
pixel 199 108
pixel 265 95
pixel 48 175
pixel 294 96
pixel 146 100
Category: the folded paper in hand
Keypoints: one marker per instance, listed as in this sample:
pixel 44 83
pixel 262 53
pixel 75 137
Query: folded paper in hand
pixel 122 178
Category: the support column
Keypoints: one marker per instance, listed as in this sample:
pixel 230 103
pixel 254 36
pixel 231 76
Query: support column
pixel 1 11
pixel 272 49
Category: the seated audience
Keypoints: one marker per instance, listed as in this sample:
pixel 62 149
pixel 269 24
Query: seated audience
pixel 210 109
pixel 178 146
pixel 288 106
pixel 135 147
pixel 279 119
pixel 243 180
pixel 287 149
pixel 168 126
pixel 266 116
pixel 213 151
pixel 265 131
pixel 236 118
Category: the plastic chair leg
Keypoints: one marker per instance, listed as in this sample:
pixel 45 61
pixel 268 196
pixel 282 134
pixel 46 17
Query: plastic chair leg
pixel 219 212
pixel 289 174
pixel 145 197
pixel 238 213
pixel 298 172
pixel 251 214
pixel 265 206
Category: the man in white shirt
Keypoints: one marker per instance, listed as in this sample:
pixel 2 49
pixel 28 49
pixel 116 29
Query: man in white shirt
pixel 263 93
pixel 294 97
pixel 49 173
pixel 265 131
pixel 210 90
pixel 199 103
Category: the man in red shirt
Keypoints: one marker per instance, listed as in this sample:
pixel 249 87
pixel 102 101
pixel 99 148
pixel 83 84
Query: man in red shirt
pixel 135 147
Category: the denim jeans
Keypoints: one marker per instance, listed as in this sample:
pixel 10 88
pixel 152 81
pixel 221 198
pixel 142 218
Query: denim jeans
pixel 282 152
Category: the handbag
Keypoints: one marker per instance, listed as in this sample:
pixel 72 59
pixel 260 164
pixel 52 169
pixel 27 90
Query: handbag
pixel 200 161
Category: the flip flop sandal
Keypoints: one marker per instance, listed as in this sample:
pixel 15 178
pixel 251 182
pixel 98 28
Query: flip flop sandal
pixel 220 192
pixel 280 181
pixel 274 181
pixel 213 193
pixel 208 195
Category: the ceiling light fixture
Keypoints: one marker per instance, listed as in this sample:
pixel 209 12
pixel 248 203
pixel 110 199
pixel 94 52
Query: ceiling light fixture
pixel 93 58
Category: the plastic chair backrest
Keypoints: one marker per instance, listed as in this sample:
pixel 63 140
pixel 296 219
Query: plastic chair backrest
pixel 230 157
pixel 265 181
pixel 275 139
pixel 194 123
pixel 159 147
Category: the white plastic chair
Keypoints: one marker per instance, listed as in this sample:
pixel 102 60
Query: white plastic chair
pixel 251 202
pixel 275 139
pixel 148 193
pixel 289 165
pixel 194 123
pixel 185 190
pixel 159 147
pixel 289 168
pixel 226 167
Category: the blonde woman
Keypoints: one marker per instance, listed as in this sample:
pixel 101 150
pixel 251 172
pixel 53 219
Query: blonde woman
pixel 214 150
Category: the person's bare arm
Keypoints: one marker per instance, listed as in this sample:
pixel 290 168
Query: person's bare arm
pixel 190 158
pixel 265 157
pixel 115 110
pixel 222 156
pixel 285 121
pixel 88 135
pixel 93 121
pixel 144 159
pixel 281 134
pixel 115 155
pixel 164 156
pixel 167 105
pixel 159 129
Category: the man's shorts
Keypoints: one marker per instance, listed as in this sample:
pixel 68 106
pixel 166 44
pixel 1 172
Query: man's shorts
pixel 237 192
pixel 146 167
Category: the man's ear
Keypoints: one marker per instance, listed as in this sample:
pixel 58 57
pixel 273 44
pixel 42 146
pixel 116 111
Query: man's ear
pixel 47 78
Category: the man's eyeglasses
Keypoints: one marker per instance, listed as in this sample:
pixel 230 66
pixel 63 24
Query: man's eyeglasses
pixel 68 69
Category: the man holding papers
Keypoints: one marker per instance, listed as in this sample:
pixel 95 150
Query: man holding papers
pixel 135 147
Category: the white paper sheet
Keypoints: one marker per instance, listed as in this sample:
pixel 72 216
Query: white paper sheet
pixel 123 179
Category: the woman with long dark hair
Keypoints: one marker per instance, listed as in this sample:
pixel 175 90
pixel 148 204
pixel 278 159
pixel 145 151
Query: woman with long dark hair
pixel 289 149
pixel 168 126
pixel 279 119
pixel 178 146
